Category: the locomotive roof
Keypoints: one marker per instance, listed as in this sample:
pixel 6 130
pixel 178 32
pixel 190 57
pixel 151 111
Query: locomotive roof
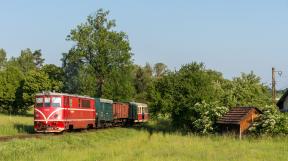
pixel 61 94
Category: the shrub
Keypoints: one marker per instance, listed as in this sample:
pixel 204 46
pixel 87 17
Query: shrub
pixel 271 122
pixel 208 115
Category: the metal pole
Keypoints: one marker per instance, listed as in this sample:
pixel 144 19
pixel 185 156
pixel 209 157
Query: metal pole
pixel 273 86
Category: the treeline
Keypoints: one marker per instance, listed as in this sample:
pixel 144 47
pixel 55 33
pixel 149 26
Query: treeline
pixel 100 64
pixel 24 76
pixel 195 97
pixel 21 77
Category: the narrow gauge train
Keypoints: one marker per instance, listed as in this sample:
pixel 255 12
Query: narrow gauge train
pixel 57 112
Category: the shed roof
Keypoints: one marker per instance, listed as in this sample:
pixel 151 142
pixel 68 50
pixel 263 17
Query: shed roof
pixel 236 115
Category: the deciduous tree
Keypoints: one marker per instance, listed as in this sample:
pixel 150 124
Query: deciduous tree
pixel 105 52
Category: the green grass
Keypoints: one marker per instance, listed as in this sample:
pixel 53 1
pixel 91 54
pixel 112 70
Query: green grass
pixel 15 125
pixel 132 144
pixel 135 144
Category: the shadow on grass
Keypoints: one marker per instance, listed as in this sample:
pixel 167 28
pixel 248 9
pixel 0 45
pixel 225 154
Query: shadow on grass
pixel 159 126
pixel 22 128
pixel 27 115
pixel 21 114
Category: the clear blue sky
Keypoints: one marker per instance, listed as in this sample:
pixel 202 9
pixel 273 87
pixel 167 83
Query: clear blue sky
pixel 228 36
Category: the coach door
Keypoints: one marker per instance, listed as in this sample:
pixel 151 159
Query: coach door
pixel 143 115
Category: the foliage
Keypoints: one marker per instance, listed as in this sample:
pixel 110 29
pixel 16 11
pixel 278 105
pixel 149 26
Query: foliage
pixel 10 80
pixel 34 82
pixel 73 68
pixel 24 76
pixel 3 58
pixel 176 93
pixel 105 52
pixel 181 95
pixel 249 91
pixel 142 80
pixel 208 115
pixel 160 69
pixel 271 122
pixel 55 75
pixel 28 60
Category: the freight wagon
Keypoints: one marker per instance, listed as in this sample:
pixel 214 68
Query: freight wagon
pixel 120 113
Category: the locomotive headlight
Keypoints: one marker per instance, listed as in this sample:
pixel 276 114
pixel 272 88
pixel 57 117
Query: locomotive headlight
pixel 55 116
pixel 36 115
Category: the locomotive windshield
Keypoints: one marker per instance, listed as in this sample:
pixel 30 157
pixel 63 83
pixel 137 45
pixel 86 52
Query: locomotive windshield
pixel 39 102
pixel 48 101
pixel 56 102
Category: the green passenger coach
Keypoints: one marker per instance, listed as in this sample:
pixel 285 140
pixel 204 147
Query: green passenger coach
pixel 138 112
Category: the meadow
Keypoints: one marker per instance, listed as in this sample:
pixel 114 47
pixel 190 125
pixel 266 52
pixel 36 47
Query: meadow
pixel 140 144
pixel 15 125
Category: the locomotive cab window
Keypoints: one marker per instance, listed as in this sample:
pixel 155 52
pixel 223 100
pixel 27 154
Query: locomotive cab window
pixel 56 102
pixel 47 102
pixel 39 102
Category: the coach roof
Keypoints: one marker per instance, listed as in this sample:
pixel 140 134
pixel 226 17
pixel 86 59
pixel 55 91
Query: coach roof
pixel 105 100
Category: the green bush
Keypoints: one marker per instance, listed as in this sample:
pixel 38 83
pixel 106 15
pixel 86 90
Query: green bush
pixel 208 115
pixel 271 122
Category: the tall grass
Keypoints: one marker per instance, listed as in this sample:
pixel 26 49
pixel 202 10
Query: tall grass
pixel 153 141
pixel 140 145
pixel 15 125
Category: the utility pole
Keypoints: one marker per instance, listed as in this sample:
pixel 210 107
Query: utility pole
pixel 273 86
pixel 274 83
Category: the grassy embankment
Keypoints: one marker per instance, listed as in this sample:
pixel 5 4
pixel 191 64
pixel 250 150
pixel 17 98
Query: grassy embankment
pixel 150 143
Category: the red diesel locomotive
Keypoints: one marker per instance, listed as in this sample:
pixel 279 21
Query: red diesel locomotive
pixel 57 112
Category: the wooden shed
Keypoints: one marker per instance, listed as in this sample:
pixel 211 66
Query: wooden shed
pixel 238 120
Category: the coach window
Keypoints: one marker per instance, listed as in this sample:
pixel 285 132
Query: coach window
pixel 79 103
pixel 39 102
pixel 56 101
pixel 146 109
pixel 47 102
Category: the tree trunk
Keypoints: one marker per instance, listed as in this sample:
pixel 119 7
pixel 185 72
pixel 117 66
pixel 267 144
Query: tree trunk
pixel 100 84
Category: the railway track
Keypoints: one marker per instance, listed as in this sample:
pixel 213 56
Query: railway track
pixel 24 136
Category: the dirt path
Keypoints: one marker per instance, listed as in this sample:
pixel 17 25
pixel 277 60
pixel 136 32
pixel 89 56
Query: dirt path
pixel 41 135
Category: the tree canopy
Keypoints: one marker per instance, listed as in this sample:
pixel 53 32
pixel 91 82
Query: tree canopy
pixel 101 53
pixel 186 95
